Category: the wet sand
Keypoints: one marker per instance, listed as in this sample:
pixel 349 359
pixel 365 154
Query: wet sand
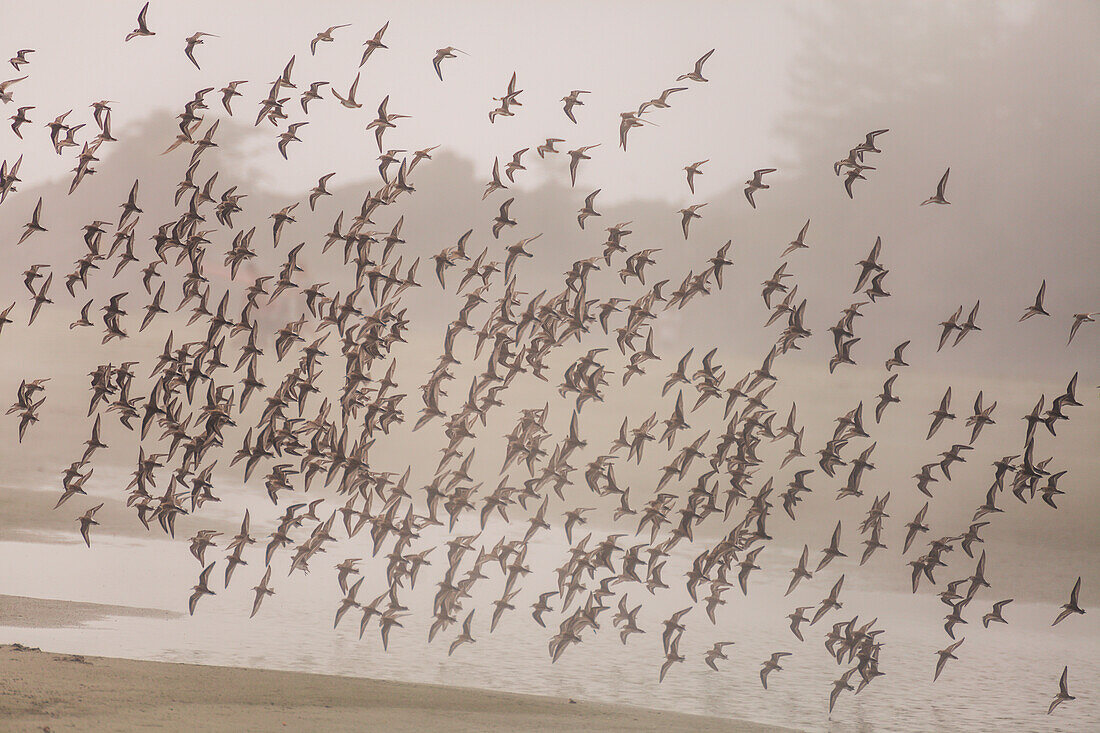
pixel 44 612
pixel 41 690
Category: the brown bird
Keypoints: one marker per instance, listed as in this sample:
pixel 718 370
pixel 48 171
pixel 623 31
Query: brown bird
pixel 324 36
pixel 687 215
pixel 86 522
pixel 444 53
pixel 575 157
pixel 696 74
pixel 1063 692
pixel 192 41
pixel 1073 606
pixel 143 28
pixel 200 590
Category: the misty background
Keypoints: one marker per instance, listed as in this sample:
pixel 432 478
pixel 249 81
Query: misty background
pixel 1004 94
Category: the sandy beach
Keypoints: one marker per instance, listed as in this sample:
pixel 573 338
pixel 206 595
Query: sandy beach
pixel 46 691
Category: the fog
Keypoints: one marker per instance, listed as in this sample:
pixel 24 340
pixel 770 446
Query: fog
pixel 1004 94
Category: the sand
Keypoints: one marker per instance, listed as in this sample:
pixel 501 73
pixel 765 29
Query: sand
pixel 62 692
pixel 27 612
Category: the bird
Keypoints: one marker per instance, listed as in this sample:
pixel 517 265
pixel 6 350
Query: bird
pixel 548 146
pixel 320 190
pixel 798 242
pixel 349 101
pixel 1073 606
pixel 86 521
pixel 938 198
pixel 589 208
pixel 192 41
pixel 661 102
pixel 770 666
pixel 262 590
pixel 876 291
pixel 830 602
pixel 839 686
pixel 832 551
pixel 289 136
pixel 995 614
pixel 1036 309
pixel 35 224
pixel 1078 320
pixel 797 619
pixel 756 183
pixel 20 58
pixel 940 414
pixel 374 43
pixel 672 656
pixel 800 570
pixel 696 74
pixel 19 119
pixel 951 324
pixel 314 92
pixel 982 416
pixel 228 92
pixel 868 145
pixel 142 28
pixel 968 325
pixel 692 171
pixel 687 215
pixel 494 183
pixel 896 360
pixel 503 220
pixel 84 319
pixel 201 589
pixel 515 164
pixel 6 97
pixel 944 655
pixel 1063 691
pixel 348 602
pixel 324 36
pixel 573 100
pixel 715 653
pixel 444 53
pixel 465 637
pixel 575 157
pixel 915 526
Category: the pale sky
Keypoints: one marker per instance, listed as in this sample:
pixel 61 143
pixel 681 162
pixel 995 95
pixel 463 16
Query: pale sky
pixel 623 52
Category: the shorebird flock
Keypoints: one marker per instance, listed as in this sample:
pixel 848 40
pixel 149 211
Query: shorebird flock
pixel 187 406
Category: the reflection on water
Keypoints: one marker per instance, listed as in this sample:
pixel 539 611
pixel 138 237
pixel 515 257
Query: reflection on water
pixel 1005 676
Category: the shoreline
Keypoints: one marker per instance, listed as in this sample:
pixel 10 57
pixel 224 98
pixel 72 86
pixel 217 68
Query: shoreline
pixel 30 612
pixel 58 691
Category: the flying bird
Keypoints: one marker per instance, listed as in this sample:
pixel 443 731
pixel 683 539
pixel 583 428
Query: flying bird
pixel 374 43
pixel 944 655
pixel 938 198
pixel 324 36
pixel 692 171
pixel 798 242
pixel 687 215
pixel 573 100
pixel 448 52
pixel 86 521
pixel 696 74
pixel 1036 308
pixel 756 183
pixel 1074 606
pixel 1063 692
pixel 192 41
pixel 1078 320
pixel 142 28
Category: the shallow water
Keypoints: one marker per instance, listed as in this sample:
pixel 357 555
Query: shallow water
pixel 1005 676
